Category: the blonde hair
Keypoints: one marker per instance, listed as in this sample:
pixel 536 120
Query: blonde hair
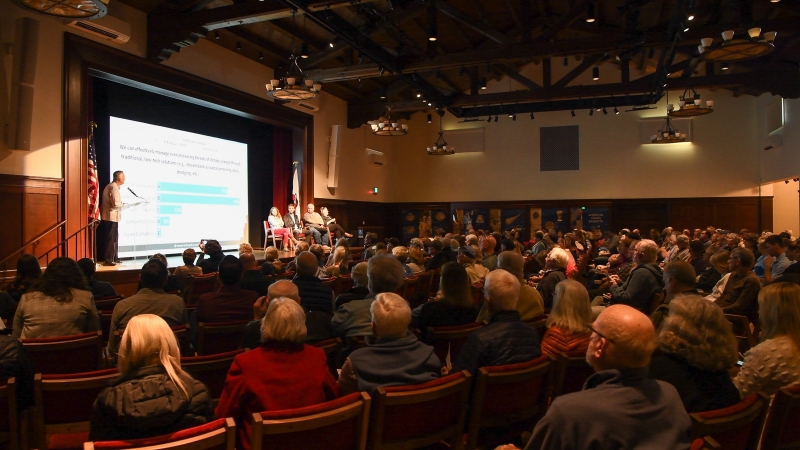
pixel 415 254
pixel 720 261
pixel 284 322
pixel 697 331
pixel 391 315
pixel 401 253
pixel 271 253
pixel 339 257
pixel 571 307
pixel 148 340
pixel 779 308
pixel 245 247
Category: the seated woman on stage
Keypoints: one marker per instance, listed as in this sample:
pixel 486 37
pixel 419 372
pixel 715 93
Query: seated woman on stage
pixel 276 224
pixel 330 222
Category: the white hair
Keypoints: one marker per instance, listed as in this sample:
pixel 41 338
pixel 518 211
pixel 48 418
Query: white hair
pixel 559 257
pixel 391 315
pixel 503 289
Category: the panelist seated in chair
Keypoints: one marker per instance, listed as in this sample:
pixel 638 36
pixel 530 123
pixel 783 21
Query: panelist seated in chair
pixel 153 395
pixel 293 222
pixel 316 225
pixel 393 355
pixel 330 222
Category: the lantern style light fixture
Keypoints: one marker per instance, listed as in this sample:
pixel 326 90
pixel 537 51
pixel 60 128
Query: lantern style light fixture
pixel 440 147
pixel 690 106
pixel 292 86
pixel 668 134
pixel 387 126
pixel 754 45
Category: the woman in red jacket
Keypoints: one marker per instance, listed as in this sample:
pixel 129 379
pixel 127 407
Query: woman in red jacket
pixel 283 373
pixel 567 331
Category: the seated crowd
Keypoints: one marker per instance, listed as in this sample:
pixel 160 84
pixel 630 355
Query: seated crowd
pixel 656 318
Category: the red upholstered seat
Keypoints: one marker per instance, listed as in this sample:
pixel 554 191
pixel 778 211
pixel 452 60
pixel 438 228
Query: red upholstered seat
pixel 444 339
pixel 782 428
pixel 333 352
pixel 734 427
pixel 199 285
pixel 219 337
pixel 339 424
pixel 217 434
pixel 573 373
pixel 211 370
pixel 66 354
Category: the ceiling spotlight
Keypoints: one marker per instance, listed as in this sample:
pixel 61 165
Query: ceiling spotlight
pixel 419 94
pixel 774 1
pixel 238 46
pixel 483 83
pixel 685 28
pixel 429 118
pixel 573 113
pixel 604 111
pixel 429 103
pixel 260 55
pixel 595 73
pixel 532 116
pixel 331 44
pixel 691 17
pixel 304 50
pixel 590 12
pixel 591 111
pixel 432 38
pixel 616 111
pixel 510 115
pixel 725 66
pixel 383 94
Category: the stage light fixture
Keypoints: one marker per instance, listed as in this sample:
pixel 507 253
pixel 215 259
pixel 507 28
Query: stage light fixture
pixel 604 111
pixel 331 44
pixel 616 111
pixel 495 118
pixel 595 73
pixel 304 50
pixel 483 83
pixel 573 113
pixel 590 12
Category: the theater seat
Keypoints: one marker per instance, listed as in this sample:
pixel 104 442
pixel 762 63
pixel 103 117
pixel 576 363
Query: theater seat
pixel 66 354
pixel 211 370
pixel 782 427
pixel 219 337
pixel 219 434
pixel 736 427
pixel 444 339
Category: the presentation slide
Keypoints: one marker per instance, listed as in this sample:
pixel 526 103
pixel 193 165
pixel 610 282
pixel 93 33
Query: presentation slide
pixel 190 186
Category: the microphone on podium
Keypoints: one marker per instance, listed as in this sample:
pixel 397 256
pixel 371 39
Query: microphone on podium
pixel 134 193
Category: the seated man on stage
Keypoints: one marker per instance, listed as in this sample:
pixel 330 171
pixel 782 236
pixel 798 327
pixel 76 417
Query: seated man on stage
pixel 316 225
pixel 292 221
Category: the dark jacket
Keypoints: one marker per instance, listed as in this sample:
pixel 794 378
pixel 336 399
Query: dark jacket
pixel 505 340
pixel 147 403
pixel 437 261
pixel 357 293
pixel 211 264
pixel 256 281
pixel 315 295
pixel 700 390
pixel 644 281
pixel 547 285
pixel 394 362
pixel 101 289
pixel 441 314
pixel 14 362
pixel 173 285
pixel 619 410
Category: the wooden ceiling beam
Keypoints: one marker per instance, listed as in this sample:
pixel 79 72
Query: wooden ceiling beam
pixel 587 62
pixel 473 23
pixel 516 76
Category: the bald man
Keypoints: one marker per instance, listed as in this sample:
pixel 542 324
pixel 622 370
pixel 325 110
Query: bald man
pixel 318 324
pixel 619 406
pixel 252 277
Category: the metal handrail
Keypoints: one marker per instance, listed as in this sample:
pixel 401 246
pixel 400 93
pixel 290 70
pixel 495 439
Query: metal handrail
pixel 34 240
pixel 64 241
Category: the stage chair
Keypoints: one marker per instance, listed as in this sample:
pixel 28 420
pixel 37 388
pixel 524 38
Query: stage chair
pixel 539 323
pixel 107 303
pixel 339 424
pixel 512 396
pixel 333 350
pixel 270 232
pixel 449 338
pixel 9 418
pixel 212 370
pixel 573 371
pixel 66 354
pixel 199 285
pixel 219 337
pixel 782 429
pixel 219 434
pixel 416 416
pixel 735 427
pixel 63 406
pixel 743 332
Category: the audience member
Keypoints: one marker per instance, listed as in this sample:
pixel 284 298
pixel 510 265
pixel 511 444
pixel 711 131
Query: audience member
pixel 681 250
pixel 272 264
pixel 282 373
pixel 506 339
pixel 567 329
pixel 793 254
pixel 619 406
pixel 717 270
pixel 741 289
pixel 28 273
pixel 776 261
pixel 359 291
pixel 153 395
pixel 188 268
pixel 539 243
pixel 453 307
pixel 213 249
pixel 393 355
pixel 58 304
pixel 530 304
pixel 339 263
pixel 679 279
pixel 644 281
pixel 252 277
pixel 555 271
pixel 230 303
pixel 488 246
pixel 316 295
pixel 384 274
pixel 416 260
pixel 99 289
pixel 697 349
pixel 318 324
pixel 697 256
pixel 173 283
pixel 401 253
pixel 466 257
pixel 318 251
pixel 775 362
pixel 438 258
pixel 150 299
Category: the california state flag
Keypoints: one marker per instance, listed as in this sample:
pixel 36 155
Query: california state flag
pixel 296 186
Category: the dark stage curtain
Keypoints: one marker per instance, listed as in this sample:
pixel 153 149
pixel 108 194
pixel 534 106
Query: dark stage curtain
pixel 281 168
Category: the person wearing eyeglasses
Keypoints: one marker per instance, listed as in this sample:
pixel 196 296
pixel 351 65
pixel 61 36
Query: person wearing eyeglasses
pixel 741 291
pixel 619 406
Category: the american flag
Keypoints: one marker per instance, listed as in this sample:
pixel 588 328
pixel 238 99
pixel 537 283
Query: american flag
pixel 94 187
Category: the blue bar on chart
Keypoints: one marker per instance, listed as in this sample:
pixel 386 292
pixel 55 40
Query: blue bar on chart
pixel 164 186
pixel 198 199
pixel 163 221
pixel 169 209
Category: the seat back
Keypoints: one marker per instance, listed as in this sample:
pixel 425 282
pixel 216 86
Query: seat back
pixel 107 303
pixel 345 284
pixel 105 324
pixel 199 285
pixel 339 424
pixel 514 396
pixel 539 323
pixel 415 416
pixel 436 278
pixel 219 434
pixel 9 418
pixel 477 294
pixel 782 427
pixel 734 427
pixel 181 333
pixel 444 339
pixel 423 289
pixel 410 288
pixel 573 372
pixel 211 370
pixel 333 350
pixel 219 337
pixel 66 354
pixel 743 332
pixel 63 405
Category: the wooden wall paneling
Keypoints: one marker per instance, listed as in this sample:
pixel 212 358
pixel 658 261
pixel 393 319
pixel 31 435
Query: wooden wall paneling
pixel 126 282
pixel 641 215
pixel 766 215
pixel 30 206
